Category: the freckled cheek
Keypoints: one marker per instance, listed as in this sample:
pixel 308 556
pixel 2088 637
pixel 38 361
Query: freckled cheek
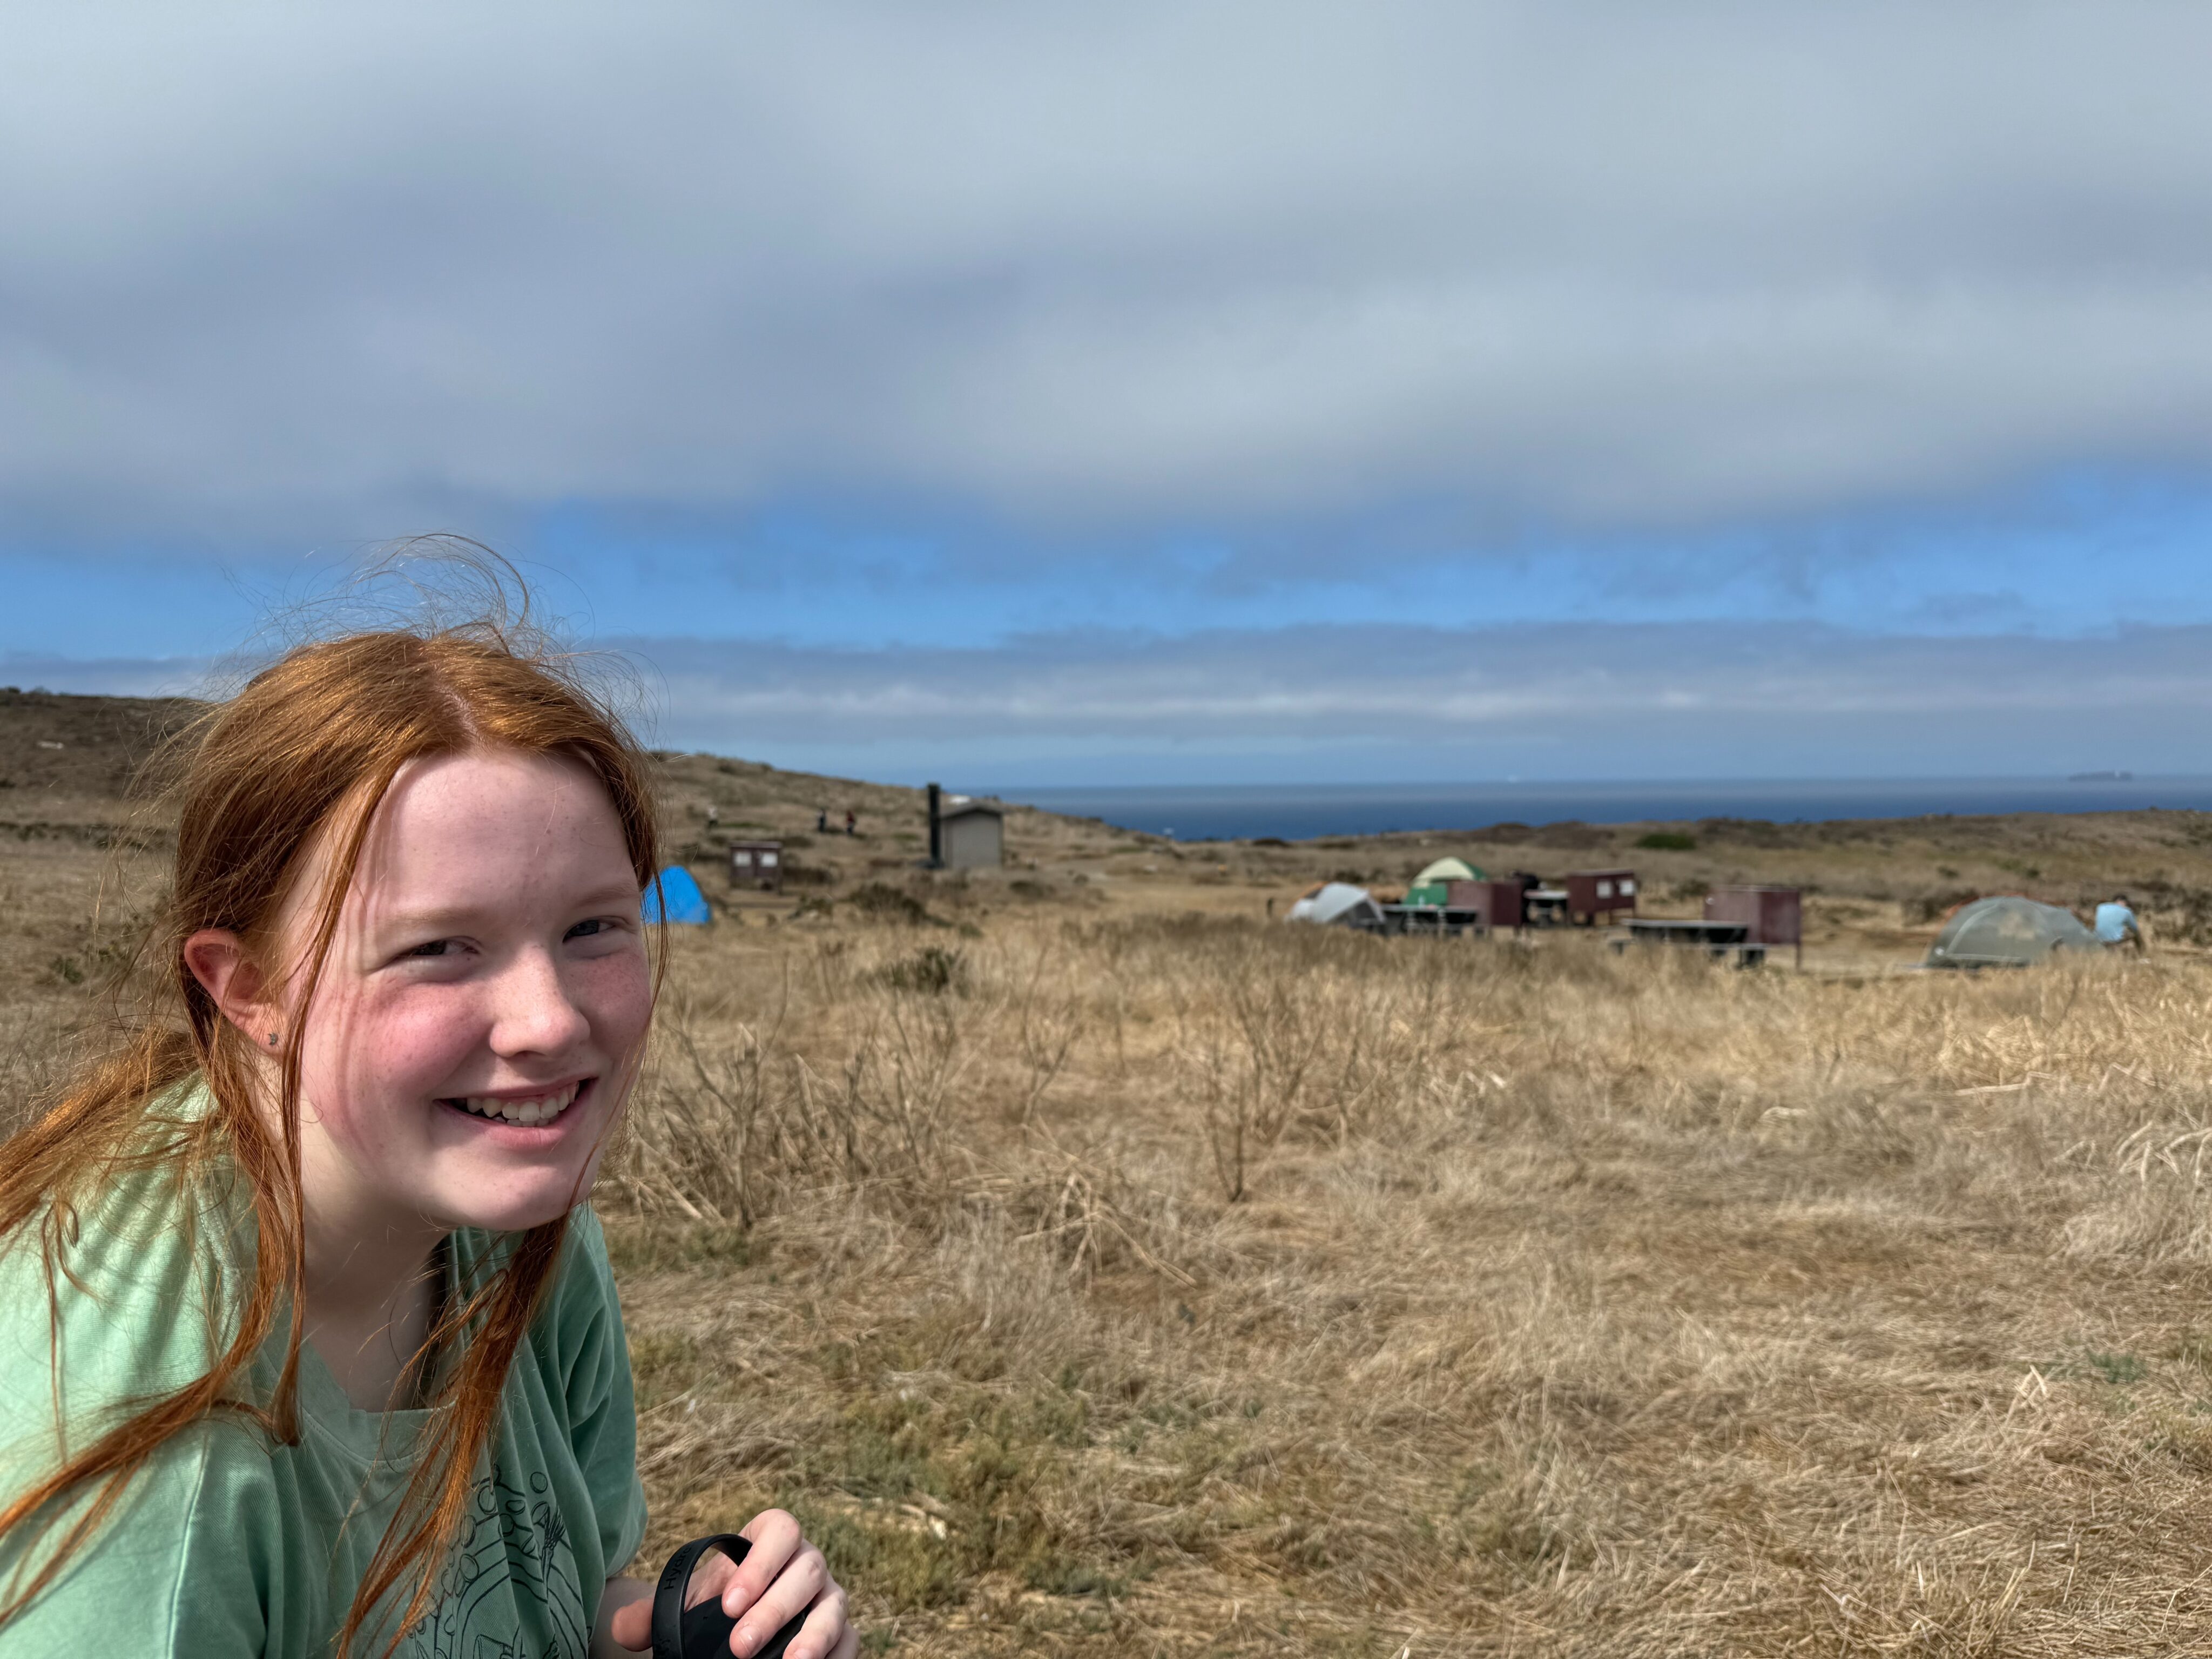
pixel 614 995
pixel 372 1068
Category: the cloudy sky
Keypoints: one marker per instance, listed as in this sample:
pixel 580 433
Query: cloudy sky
pixel 1264 390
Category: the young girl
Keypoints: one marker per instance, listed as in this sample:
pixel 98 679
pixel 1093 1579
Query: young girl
pixel 308 1342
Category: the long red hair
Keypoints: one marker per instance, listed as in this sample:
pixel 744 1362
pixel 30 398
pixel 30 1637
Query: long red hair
pixel 298 759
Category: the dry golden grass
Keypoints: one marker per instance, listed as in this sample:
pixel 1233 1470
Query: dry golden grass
pixel 1572 1304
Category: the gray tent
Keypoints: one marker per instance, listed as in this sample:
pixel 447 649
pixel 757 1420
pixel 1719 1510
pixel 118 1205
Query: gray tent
pixel 2007 932
pixel 1339 902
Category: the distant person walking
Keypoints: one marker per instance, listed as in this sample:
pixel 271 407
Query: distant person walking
pixel 2116 925
pixel 852 821
pixel 821 820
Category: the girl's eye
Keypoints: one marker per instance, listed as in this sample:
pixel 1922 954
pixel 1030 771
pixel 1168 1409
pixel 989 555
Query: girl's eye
pixel 436 947
pixel 586 929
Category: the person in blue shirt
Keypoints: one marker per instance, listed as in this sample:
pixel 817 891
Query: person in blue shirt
pixel 2116 924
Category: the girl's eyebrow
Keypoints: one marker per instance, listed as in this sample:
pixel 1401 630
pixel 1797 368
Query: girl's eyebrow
pixel 445 919
pixel 449 917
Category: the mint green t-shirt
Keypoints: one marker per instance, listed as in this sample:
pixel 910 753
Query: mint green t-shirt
pixel 228 1545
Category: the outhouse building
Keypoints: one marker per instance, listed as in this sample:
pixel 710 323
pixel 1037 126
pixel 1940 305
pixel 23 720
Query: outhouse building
pixel 965 833
pixel 757 865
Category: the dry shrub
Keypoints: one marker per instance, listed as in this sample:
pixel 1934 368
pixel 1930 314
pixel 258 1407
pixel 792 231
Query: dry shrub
pixel 1320 1034
pixel 730 1120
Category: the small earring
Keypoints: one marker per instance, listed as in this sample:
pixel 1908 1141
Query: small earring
pixel 272 1039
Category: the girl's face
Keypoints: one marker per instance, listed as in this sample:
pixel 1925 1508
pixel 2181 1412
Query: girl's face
pixel 484 1002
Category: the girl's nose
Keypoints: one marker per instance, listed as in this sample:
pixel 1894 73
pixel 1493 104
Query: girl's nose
pixel 533 1014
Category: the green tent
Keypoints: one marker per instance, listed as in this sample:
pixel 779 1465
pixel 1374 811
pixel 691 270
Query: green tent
pixel 1448 869
pixel 1429 887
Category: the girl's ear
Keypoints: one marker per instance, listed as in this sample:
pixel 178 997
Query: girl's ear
pixel 219 960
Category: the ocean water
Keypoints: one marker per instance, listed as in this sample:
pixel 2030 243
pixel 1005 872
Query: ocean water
pixel 1298 811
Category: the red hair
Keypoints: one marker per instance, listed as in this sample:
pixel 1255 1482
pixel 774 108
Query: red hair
pixel 299 761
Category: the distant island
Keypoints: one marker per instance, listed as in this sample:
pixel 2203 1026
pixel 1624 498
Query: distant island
pixel 2101 777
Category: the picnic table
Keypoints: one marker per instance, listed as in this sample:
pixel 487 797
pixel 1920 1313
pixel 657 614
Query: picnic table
pixel 1442 920
pixel 1718 939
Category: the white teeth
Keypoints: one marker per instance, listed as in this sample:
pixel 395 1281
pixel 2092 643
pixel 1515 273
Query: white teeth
pixel 529 1113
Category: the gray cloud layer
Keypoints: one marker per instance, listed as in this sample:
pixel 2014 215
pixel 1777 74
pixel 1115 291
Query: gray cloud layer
pixel 308 272
pixel 1392 703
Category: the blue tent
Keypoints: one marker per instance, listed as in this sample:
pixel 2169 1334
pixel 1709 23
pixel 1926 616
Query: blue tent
pixel 674 890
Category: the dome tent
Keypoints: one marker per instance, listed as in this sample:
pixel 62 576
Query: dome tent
pixel 1429 887
pixel 674 896
pixel 1340 902
pixel 2007 932
pixel 1448 869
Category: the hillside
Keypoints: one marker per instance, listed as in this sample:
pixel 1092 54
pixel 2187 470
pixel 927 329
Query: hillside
pixel 1877 888
pixel 59 751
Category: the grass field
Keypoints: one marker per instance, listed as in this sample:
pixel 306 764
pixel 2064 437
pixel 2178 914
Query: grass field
pixel 1570 1304
pixel 1100 1268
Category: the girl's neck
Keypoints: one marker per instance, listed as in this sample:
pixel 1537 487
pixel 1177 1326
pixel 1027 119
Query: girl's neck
pixel 372 1284
pixel 373 1298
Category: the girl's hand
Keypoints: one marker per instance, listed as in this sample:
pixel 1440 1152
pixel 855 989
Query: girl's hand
pixel 781 1575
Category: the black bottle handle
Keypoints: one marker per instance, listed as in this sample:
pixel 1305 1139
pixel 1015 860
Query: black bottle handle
pixel 702 1631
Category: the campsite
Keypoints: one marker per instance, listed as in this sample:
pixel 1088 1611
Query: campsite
pixel 1097 1264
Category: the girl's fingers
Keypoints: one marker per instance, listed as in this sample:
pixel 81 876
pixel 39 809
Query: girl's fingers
pixel 848 1640
pixel 631 1627
pixel 775 1539
pixel 781 1578
pixel 794 1591
pixel 825 1635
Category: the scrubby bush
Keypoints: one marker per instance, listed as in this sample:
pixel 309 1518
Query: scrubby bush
pixel 885 903
pixel 1934 906
pixel 932 970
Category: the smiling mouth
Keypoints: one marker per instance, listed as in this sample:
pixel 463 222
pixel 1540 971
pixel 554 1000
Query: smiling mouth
pixel 534 1112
